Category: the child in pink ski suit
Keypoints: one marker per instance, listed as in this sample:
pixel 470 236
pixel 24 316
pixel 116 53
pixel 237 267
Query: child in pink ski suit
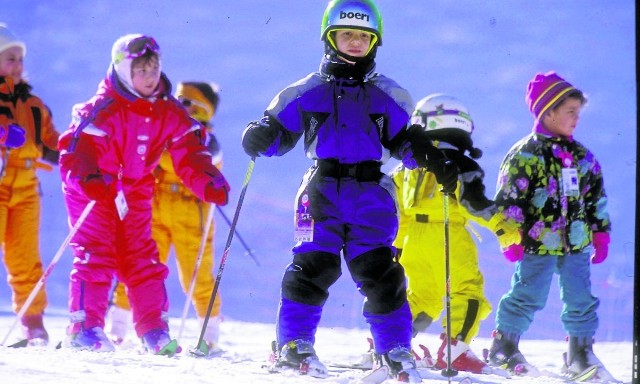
pixel 108 155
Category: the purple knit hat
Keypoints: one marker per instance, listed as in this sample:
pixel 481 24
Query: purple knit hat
pixel 545 91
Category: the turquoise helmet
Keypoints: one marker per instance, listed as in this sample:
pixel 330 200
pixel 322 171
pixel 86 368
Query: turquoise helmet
pixel 363 15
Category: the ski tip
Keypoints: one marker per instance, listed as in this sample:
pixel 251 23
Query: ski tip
pixel 20 344
pixel 585 375
pixel 201 350
pixel 375 376
pixel 170 350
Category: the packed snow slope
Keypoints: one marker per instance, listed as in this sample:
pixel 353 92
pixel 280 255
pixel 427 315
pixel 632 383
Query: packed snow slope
pixel 484 53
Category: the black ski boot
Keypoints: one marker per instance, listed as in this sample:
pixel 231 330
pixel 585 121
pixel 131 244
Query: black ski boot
pixel 401 364
pixel 299 355
pixel 581 363
pixel 504 353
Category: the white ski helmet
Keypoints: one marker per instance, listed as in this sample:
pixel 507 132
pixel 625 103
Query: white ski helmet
pixel 445 118
pixel 362 15
pixel 439 111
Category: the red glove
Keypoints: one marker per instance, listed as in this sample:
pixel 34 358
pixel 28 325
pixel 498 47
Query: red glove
pixel 99 187
pixel 218 196
pixel 217 191
pixel 513 253
pixel 600 246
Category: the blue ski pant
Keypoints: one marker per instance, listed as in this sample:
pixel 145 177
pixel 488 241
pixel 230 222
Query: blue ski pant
pixel 530 285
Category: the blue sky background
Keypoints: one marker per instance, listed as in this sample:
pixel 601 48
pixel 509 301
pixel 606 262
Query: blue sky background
pixel 484 53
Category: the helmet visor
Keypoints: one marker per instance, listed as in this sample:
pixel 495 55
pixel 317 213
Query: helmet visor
pixel 331 38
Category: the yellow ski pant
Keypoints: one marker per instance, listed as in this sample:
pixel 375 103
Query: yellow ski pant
pixel 423 258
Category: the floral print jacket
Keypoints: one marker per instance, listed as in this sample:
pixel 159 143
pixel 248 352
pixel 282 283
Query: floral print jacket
pixel 556 218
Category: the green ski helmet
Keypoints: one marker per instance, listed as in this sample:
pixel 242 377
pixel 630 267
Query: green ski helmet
pixel 363 15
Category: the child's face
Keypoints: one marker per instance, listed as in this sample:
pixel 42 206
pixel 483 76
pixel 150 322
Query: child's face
pixel 353 42
pixel 145 76
pixel 11 63
pixel 563 120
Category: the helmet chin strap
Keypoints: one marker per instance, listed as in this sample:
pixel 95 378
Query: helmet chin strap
pixel 329 50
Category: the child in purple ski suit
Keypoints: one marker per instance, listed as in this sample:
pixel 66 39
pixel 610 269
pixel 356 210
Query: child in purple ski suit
pixel 352 120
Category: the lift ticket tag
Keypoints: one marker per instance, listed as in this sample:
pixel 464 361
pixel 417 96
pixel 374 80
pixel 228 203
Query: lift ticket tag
pixel 121 203
pixel 303 220
pixel 570 185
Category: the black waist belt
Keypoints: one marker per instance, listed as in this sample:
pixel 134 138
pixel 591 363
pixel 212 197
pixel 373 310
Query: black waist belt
pixel 363 171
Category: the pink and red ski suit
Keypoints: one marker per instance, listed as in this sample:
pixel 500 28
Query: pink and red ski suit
pixel 119 134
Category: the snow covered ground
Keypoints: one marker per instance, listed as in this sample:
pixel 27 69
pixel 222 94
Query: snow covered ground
pixel 246 347
pixel 482 52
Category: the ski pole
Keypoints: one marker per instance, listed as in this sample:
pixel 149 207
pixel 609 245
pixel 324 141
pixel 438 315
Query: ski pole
pixel 448 371
pixel 202 349
pixel 47 271
pixel 196 268
pixel 244 244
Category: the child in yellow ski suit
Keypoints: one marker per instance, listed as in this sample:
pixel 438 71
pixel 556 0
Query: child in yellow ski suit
pixel 179 220
pixel 420 239
pixel 19 187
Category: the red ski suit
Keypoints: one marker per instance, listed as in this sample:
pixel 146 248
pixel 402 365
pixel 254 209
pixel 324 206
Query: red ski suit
pixel 123 136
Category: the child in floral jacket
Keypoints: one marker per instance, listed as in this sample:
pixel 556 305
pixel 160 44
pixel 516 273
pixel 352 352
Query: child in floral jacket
pixel 552 186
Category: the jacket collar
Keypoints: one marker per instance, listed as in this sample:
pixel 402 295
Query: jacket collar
pixel 334 68
pixel 540 129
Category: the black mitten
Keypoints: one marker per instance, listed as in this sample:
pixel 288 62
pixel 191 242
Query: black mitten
pixel 257 137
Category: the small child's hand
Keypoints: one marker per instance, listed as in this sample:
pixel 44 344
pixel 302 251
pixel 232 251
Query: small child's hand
pixel 257 137
pixel 601 247
pixel 507 231
pixel 446 172
pixel 99 187
pixel 513 253
pixel 217 191
pixel 12 136
pixel 218 196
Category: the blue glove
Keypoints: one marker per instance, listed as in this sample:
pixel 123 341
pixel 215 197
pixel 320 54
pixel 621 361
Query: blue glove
pixel 12 136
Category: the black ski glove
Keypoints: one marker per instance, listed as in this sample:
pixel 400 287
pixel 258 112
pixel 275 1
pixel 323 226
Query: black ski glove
pixel 446 172
pixel 257 137
pixel 426 155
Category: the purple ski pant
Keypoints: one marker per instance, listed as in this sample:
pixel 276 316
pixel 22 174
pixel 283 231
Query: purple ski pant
pixel 352 218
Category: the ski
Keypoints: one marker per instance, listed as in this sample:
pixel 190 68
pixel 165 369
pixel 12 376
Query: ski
pixel 308 366
pixel 430 375
pixel 375 376
pixel 302 370
pixel 585 375
pixel 20 344
pixel 602 375
pixel 24 343
pixel 203 350
pixel 170 349
pixel 358 367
